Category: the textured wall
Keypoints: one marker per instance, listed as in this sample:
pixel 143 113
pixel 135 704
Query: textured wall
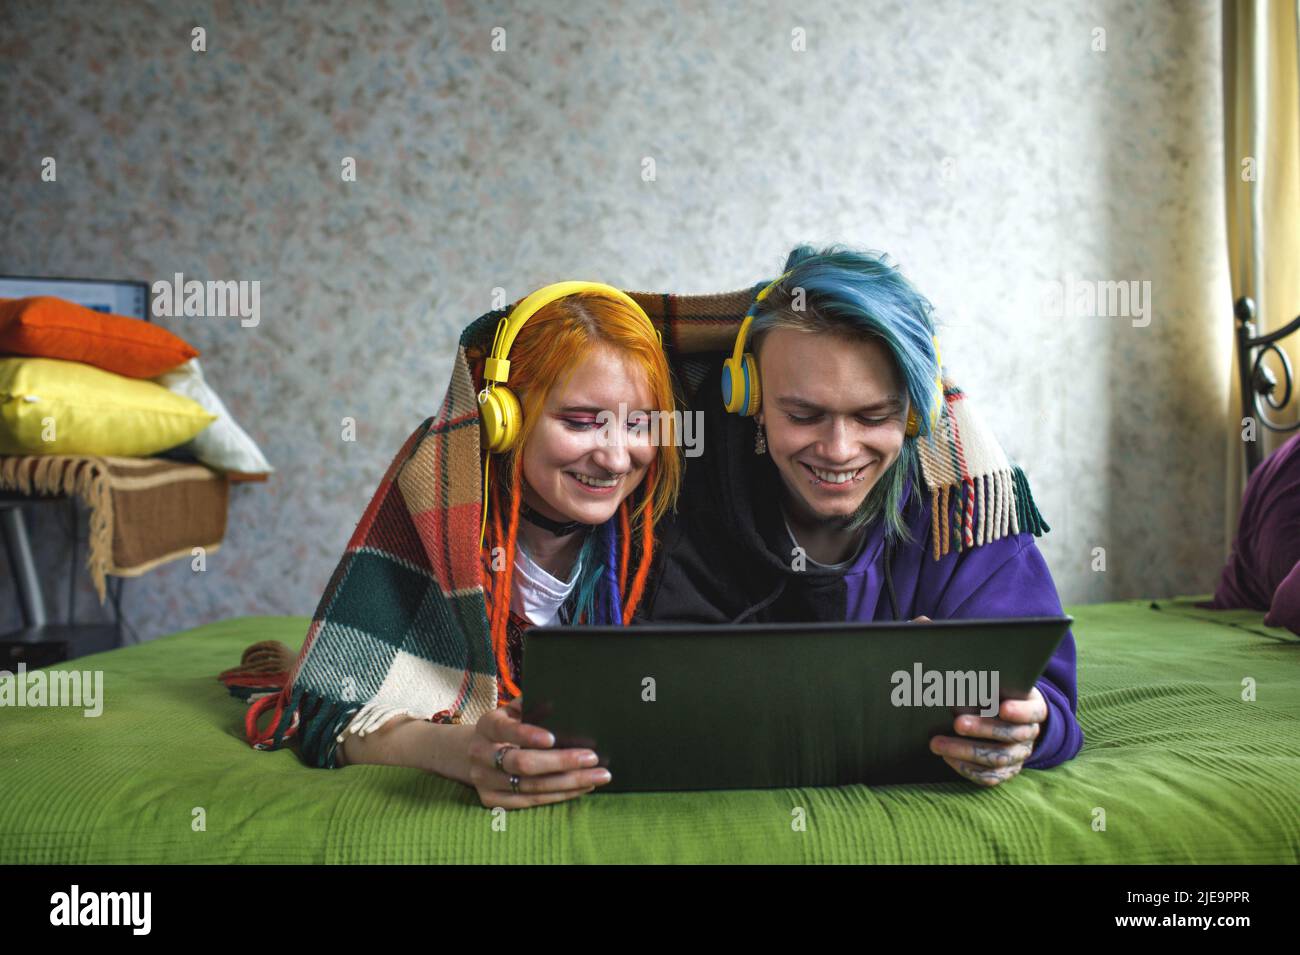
pixel 988 148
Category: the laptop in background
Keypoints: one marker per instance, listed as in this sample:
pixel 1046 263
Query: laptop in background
pixel 116 297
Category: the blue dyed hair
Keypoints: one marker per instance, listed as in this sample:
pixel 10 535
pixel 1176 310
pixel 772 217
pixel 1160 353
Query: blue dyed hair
pixel 596 596
pixel 862 295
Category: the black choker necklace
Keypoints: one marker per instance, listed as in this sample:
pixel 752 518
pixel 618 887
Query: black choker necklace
pixel 557 528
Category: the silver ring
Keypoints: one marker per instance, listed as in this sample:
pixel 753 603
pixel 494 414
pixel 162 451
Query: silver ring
pixel 499 758
pixel 514 784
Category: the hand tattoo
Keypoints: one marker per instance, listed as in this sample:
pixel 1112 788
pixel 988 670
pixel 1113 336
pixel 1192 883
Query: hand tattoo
pixel 984 775
pixel 1001 755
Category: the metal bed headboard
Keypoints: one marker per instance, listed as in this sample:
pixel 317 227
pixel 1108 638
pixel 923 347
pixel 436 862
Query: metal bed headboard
pixel 1258 383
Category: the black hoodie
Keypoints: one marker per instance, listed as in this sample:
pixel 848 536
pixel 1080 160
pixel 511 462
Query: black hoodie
pixel 726 556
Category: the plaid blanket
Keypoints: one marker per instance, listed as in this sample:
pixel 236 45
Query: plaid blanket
pixel 402 625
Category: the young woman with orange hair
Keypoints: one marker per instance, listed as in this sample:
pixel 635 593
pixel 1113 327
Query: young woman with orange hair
pixel 568 537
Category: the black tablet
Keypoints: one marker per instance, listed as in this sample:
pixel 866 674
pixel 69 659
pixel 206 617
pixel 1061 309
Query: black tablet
pixel 776 705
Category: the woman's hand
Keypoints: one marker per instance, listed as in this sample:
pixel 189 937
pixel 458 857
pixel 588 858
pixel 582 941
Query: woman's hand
pixel 993 749
pixel 545 775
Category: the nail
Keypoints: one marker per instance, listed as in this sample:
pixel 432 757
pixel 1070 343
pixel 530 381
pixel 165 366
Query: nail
pixel 588 759
pixel 601 776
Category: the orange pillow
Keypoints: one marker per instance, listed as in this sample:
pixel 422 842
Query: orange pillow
pixel 48 327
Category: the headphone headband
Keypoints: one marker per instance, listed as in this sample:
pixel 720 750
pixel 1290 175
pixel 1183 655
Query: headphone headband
pixel 739 348
pixel 497 366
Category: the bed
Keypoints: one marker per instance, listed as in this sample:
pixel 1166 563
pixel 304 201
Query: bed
pixel 1176 768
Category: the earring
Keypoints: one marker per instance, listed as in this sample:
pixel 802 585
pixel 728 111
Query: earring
pixel 760 441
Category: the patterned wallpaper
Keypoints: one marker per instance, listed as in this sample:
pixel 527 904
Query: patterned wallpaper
pixel 991 149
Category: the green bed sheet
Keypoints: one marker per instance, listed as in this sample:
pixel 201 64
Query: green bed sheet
pixel 1183 769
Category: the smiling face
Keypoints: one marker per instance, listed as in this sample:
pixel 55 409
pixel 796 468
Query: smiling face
pixel 835 412
pixel 575 469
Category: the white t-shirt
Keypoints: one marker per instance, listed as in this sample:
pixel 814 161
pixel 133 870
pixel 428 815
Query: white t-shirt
pixel 535 594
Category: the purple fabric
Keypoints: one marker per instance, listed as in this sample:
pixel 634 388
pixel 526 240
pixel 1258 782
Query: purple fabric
pixel 1001 578
pixel 1267 545
pixel 1285 611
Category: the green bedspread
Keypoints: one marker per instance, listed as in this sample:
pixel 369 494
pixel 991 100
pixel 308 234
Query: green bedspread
pixel 1183 768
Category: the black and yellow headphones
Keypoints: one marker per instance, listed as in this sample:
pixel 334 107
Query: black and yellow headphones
pixel 743 395
pixel 500 416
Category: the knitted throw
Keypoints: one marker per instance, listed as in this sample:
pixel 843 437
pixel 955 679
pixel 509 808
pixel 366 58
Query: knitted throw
pixel 402 625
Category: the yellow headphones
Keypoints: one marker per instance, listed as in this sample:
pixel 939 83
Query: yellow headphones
pixel 743 395
pixel 500 416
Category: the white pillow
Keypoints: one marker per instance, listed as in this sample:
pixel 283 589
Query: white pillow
pixel 222 445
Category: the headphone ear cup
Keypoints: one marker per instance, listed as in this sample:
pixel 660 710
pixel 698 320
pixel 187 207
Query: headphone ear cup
pixel 500 417
pixel 733 387
pixel 752 386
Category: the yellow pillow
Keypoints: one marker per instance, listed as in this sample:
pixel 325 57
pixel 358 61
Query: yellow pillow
pixel 86 410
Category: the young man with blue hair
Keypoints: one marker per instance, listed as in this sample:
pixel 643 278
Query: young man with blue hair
pixel 808 503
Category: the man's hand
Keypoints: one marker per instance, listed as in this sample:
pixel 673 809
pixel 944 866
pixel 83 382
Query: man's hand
pixel 990 750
